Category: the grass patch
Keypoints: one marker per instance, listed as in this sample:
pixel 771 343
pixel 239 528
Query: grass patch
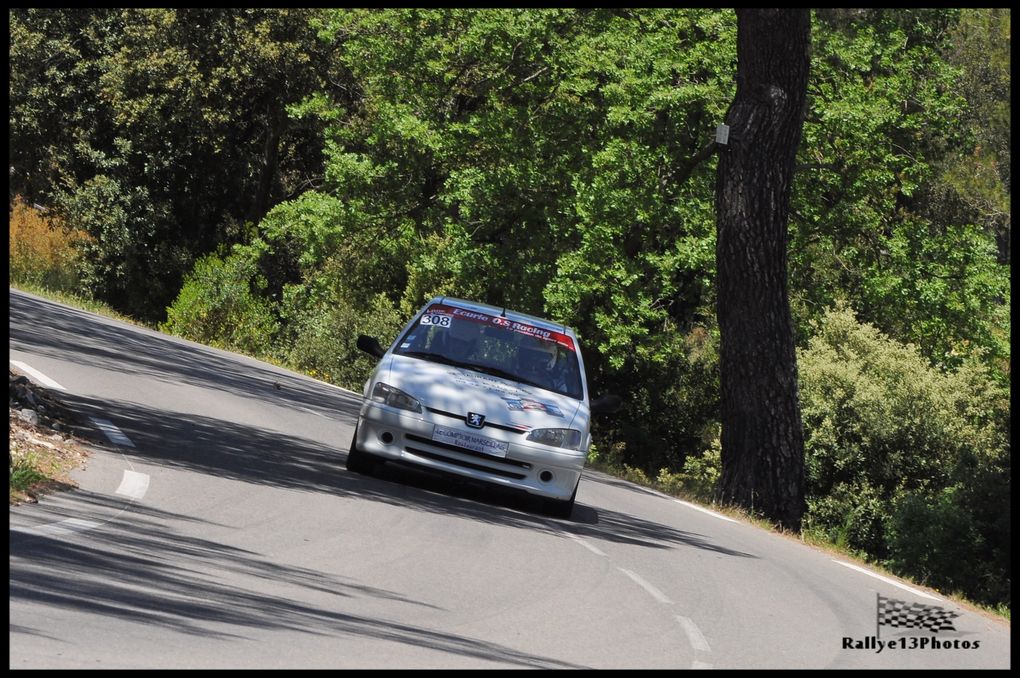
pixel 25 475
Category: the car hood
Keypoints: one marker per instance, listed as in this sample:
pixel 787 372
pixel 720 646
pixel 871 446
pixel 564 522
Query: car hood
pixel 456 390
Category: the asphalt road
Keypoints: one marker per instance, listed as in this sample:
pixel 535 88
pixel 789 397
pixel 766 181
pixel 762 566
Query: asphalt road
pixel 218 528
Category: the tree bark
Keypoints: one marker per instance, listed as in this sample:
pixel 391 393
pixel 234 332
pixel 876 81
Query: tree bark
pixel 762 434
pixel 276 123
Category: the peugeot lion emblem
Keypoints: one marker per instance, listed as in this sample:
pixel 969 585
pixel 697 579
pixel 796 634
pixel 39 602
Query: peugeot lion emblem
pixel 475 420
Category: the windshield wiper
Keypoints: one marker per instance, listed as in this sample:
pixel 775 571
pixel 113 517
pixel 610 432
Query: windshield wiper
pixel 496 372
pixel 434 357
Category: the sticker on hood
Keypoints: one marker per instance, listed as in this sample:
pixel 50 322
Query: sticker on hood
pixel 525 404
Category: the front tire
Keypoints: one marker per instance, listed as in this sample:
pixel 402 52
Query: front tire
pixel 358 461
pixel 561 508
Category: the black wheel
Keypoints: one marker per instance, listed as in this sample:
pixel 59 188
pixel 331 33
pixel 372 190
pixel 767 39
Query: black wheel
pixel 358 461
pixel 561 508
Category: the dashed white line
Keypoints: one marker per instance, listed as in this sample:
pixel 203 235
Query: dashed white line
pixel 887 580
pixel 655 593
pixel 113 433
pixel 39 376
pixel 705 510
pixel 694 635
pixel 585 544
pixel 134 485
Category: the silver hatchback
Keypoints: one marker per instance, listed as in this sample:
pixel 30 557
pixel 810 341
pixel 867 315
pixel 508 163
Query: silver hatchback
pixel 481 392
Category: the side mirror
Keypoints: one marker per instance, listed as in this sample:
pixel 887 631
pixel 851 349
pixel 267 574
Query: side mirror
pixel 607 404
pixel 370 345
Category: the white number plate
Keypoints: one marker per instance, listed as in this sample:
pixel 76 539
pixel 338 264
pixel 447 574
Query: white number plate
pixel 470 441
pixel 441 320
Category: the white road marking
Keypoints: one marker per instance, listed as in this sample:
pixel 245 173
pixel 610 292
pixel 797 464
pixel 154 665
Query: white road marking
pixel 700 665
pixel 112 432
pixel 556 527
pixel 39 376
pixel 134 484
pixel 887 580
pixel 69 526
pixel 704 510
pixel 694 634
pixel 585 544
pixel 655 593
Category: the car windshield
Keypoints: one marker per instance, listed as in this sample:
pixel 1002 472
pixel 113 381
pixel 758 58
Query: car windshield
pixel 511 349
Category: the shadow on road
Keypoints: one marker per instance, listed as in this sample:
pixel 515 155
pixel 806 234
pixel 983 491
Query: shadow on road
pixel 175 580
pixel 46 328
pixel 250 454
pixel 134 569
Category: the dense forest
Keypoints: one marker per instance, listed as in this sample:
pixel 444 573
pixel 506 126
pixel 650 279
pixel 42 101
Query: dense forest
pixel 278 181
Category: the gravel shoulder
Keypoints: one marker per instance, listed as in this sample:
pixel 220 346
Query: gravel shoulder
pixel 46 441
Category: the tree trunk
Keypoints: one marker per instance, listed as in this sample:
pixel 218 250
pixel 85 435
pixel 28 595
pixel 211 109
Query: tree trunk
pixel 762 435
pixel 275 126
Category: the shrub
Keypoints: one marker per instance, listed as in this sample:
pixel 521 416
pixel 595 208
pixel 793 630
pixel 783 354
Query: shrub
pixel 325 335
pixel 699 478
pixel 217 306
pixel 907 463
pixel 42 251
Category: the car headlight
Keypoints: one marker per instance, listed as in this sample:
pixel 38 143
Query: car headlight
pixel 567 438
pixel 394 397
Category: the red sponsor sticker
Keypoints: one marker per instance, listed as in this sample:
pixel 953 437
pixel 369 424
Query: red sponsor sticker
pixel 437 313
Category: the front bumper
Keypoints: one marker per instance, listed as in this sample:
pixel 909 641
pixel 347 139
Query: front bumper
pixel 399 435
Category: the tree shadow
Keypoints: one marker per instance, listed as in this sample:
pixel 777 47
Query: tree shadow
pixel 244 453
pixel 47 328
pixel 134 568
pixel 263 456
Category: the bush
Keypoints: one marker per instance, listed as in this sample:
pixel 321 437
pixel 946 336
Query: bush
pixel 933 535
pixel 217 306
pixel 325 336
pixel 906 463
pixel 699 478
pixel 851 516
pixel 42 251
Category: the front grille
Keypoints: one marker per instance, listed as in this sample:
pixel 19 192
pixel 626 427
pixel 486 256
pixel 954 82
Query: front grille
pixel 466 464
pixel 470 453
pixel 460 417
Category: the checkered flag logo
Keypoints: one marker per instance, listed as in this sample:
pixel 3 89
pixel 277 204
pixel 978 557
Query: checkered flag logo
pixel 900 614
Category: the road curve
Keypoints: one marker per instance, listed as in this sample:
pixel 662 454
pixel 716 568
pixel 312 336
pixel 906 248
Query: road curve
pixel 217 528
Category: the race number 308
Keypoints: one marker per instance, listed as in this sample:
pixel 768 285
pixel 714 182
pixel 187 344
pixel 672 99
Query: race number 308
pixel 441 320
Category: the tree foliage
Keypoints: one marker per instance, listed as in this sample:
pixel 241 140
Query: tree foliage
pixel 159 132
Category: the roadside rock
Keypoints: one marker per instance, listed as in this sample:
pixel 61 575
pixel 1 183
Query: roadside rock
pixel 44 430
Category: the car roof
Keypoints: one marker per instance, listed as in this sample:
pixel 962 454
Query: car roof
pixel 505 312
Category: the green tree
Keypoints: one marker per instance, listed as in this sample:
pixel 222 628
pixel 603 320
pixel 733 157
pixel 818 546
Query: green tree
pixel 978 174
pixel 173 119
pixel 885 112
pixel 547 160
